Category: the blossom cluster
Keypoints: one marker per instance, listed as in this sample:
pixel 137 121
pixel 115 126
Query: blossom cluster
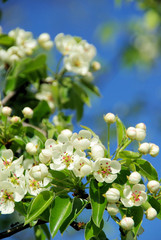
pixel 23 45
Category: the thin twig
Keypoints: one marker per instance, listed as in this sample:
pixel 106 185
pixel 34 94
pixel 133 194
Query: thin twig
pixel 8 97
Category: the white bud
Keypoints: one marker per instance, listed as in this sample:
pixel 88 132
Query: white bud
pixel 110 118
pixel 112 209
pixel 27 112
pixel 141 126
pixel 144 148
pixel 131 133
pixel 67 133
pixel 39 172
pixel 154 150
pixel 153 186
pixel 151 213
pixel 15 119
pixel 112 195
pixel 44 37
pixel 127 223
pixel 31 148
pixel 97 151
pixel 85 170
pixel 45 156
pixel 6 111
pixel 49 79
pixel 134 178
pixel 96 66
pixel 140 134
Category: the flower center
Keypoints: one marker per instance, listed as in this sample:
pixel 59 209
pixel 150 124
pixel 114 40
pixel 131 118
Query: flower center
pixel 6 196
pixel 67 159
pixel 105 170
pixel 135 197
pixel 77 63
pixel 6 162
pixel 15 180
pixel 34 184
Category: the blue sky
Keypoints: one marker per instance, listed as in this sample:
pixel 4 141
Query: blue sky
pixel 120 87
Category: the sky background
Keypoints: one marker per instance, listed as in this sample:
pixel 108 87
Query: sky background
pixel 132 93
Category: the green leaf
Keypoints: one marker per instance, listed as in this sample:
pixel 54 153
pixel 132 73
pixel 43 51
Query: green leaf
pixel 146 169
pixel 5 40
pixel 60 210
pixel 92 231
pixel 121 132
pixel 81 94
pixel 21 208
pixel 34 132
pixel 39 204
pixel 77 207
pixel 39 234
pixel 91 87
pixel 137 214
pixel 41 111
pixel 98 202
pixel 129 154
pixel 45 229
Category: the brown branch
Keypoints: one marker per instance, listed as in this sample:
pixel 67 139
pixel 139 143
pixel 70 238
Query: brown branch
pixel 76 225
pixel 8 97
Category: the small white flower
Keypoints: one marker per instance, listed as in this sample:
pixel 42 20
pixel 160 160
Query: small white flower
pixel 154 150
pixel 144 148
pixel 31 148
pixel 87 49
pixel 134 178
pixel 77 63
pixel 134 196
pixel 82 167
pixel 112 195
pixel 131 133
pixel 27 112
pixel 65 43
pixel 127 223
pixel 151 213
pixel 46 94
pixel 106 170
pixel 110 118
pixel 39 172
pixel 112 209
pixel 81 141
pixel 153 186
pixel 6 111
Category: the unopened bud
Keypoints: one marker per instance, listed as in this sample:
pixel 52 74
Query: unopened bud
pixel 151 213
pixel 141 126
pixel 96 66
pixel 127 223
pixel 110 118
pixel 44 37
pixel 6 111
pixel 134 178
pixel 112 209
pixel 153 186
pixel 45 156
pixel 112 195
pixel 39 172
pixel 67 133
pixel 31 148
pixel 140 134
pixel 97 151
pixel 144 148
pixel 154 150
pixel 15 119
pixel 131 133
pixel 27 112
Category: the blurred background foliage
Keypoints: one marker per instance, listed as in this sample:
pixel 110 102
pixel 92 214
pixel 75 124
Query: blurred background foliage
pixel 127 36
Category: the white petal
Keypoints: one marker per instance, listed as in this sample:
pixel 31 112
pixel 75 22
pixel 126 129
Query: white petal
pixel 127 191
pixel 115 166
pixel 98 177
pixel 127 202
pixel 138 187
pixel 7 207
pixel 85 134
pixel 7 154
pixel 110 178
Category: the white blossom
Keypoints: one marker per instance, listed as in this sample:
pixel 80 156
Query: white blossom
pixel 127 223
pixel 151 213
pixel 27 112
pixel 131 133
pixel 82 167
pixel 134 178
pixel 110 118
pixel 112 195
pixel 144 148
pixel 154 150
pixel 6 111
pixel 153 186
pixel 134 196
pixel 39 172
pixel 97 151
pixel 45 41
pixel 64 43
pixel 106 170
pixel 112 209
pixel 81 141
